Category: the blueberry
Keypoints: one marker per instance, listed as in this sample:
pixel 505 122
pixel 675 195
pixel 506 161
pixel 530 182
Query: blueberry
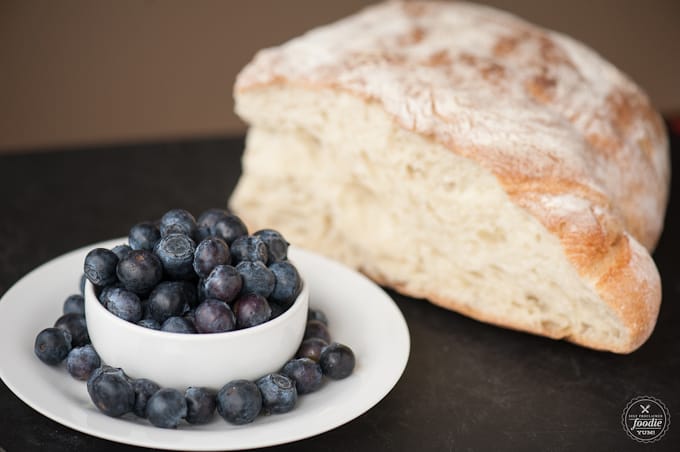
pixel 96 373
pixel 278 393
pixel 315 314
pixel 111 391
pixel 76 326
pixel 200 290
pixel 149 323
pixel 208 218
pixel 200 405
pixel 315 328
pixel 257 278
pixel 206 222
pixel 277 246
pixel 190 291
pixel 144 389
pixel 81 284
pixel 288 283
pixel 103 369
pixel 229 228
pixel 214 316
pixel 337 361
pixel 74 304
pixel 223 283
pixel 190 314
pixel 121 251
pixel 124 304
pixel 178 221
pixel 239 402
pixel 100 267
pixel 248 248
pixel 146 313
pixel 82 361
pixel 166 408
pixel 52 345
pixel 167 300
pixel 176 253
pixel 311 348
pixel 105 292
pixel 210 253
pixel 140 271
pixel 251 309
pixel 144 236
pixel 306 374
pixel 178 325
pixel 277 309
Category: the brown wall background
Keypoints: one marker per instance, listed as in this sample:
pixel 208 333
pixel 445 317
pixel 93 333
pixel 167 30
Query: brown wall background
pixel 80 72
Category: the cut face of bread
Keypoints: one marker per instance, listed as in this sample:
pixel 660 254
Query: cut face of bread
pixel 320 166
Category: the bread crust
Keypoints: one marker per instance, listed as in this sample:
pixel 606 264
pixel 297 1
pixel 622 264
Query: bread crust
pixel 570 138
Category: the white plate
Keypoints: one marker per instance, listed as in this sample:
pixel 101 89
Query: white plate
pixel 360 314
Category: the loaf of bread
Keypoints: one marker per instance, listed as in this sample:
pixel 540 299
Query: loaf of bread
pixel 457 153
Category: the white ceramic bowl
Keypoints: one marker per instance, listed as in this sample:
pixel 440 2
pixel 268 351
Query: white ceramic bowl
pixel 180 360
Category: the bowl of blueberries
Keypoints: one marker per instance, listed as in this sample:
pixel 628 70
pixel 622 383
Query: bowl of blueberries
pixel 195 301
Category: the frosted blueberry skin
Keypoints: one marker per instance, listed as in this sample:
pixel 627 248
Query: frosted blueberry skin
pixel 140 271
pixel 214 316
pixel 248 248
pixel 311 348
pixel 210 253
pixel 166 408
pixel 144 389
pixel 52 345
pixel 239 402
pixel 315 328
pixel 337 361
pixel 178 325
pixel 105 292
pixel 288 283
pixel 277 246
pixel 167 299
pixel 98 371
pixel 144 236
pixel 124 304
pixel 121 251
pixel 201 403
pixel 178 221
pixel 206 223
pixel 278 393
pixel 74 304
pixel 223 283
pixel 176 253
pixel 111 391
pixel 149 323
pixel 82 361
pixel 257 278
pixel 81 285
pixel 100 267
pixel 251 310
pixel 305 372
pixel 229 228
pixel 76 326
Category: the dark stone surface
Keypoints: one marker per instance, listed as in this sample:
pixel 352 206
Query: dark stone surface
pixel 468 386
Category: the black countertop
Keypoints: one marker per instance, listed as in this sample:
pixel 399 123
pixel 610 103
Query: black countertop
pixel 467 386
